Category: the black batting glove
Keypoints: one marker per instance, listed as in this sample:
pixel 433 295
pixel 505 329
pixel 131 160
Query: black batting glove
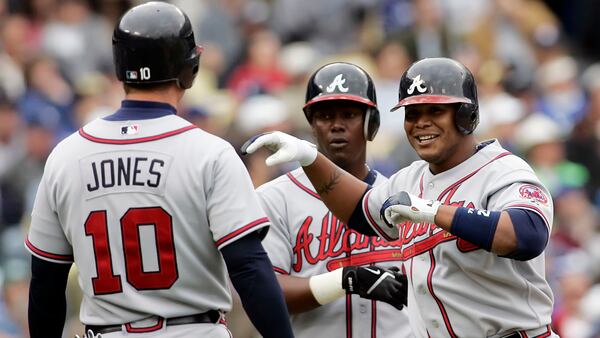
pixel 377 283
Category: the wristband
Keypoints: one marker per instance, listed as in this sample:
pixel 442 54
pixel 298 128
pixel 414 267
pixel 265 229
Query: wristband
pixel 327 287
pixel 475 226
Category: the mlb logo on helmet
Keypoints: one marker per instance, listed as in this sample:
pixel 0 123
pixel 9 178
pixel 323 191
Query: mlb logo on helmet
pixel 131 75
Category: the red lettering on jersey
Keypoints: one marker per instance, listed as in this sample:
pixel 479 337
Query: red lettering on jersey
pixel 411 231
pixel 334 240
pixel 302 247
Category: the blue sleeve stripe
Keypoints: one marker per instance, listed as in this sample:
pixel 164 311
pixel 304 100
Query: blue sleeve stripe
pixel 369 218
pixel 358 220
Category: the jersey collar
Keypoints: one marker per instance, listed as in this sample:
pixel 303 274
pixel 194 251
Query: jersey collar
pixel 371 177
pixel 141 110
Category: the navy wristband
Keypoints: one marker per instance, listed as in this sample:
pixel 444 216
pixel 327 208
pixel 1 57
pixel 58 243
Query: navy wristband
pixel 475 226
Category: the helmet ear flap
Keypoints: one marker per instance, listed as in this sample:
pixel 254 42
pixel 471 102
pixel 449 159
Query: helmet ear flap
pixel 185 80
pixel 467 118
pixel 371 123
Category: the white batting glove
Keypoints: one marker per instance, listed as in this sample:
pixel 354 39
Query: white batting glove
pixel 286 148
pixel 403 207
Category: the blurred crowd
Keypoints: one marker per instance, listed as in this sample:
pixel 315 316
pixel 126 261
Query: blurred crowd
pixel 534 60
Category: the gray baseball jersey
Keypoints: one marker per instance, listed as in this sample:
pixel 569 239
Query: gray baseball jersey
pixel 306 239
pixel 143 207
pixel 457 289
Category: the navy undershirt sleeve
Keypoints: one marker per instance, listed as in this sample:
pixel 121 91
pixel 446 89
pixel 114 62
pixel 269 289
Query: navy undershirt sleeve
pixel 358 220
pixel 47 302
pixel 531 231
pixel 252 276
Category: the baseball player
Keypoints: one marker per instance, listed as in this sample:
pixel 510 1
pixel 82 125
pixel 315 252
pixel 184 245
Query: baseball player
pixel 307 243
pixel 150 208
pixel 473 219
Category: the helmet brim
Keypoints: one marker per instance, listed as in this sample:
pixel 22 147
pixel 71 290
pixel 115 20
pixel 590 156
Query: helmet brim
pixel 424 99
pixel 337 96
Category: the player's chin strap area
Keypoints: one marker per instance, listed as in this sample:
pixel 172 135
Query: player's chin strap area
pixel 212 316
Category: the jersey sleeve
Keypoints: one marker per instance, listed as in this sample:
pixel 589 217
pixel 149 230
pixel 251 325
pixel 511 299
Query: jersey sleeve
pixel 46 238
pixel 371 205
pixel 277 243
pixel 232 204
pixel 527 195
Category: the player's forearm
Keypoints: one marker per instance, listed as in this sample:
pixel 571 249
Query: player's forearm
pixel 298 296
pixel 339 190
pixel 251 274
pixel 47 302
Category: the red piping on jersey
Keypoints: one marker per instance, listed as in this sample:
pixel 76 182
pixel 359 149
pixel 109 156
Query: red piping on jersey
pixel 545 334
pixel 303 187
pixel 529 206
pixel 373 303
pixel 373 319
pixel 459 182
pixel 64 258
pixel 348 316
pixel 374 224
pixel 450 192
pixel 387 255
pixel 241 230
pixel 135 140
pixel 131 329
pixel 437 300
pixel 280 270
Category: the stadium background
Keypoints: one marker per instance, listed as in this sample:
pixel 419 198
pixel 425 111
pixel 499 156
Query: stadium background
pixel 535 62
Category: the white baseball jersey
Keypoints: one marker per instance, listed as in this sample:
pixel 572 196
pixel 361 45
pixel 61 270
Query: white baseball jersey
pixel 306 239
pixel 143 207
pixel 457 289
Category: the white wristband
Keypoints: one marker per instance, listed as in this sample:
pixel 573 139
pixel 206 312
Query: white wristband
pixel 310 154
pixel 327 287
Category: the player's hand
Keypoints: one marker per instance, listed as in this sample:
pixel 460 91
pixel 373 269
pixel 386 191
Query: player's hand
pixel 403 207
pixel 373 282
pixel 286 148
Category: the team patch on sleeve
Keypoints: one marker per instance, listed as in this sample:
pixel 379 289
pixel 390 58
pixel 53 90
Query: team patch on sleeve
pixel 533 193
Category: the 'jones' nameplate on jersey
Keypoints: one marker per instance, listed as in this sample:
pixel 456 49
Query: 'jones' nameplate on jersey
pixel 124 171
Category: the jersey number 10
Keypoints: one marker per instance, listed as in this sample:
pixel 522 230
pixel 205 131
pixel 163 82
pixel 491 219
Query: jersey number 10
pixel 106 281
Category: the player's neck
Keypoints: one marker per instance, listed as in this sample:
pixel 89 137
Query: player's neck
pixel 171 95
pixel 359 170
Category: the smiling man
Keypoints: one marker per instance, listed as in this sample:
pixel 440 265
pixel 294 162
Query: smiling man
pixel 320 263
pixel 472 219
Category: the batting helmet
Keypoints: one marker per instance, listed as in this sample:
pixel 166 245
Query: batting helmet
pixel 444 81
pixel 154 43
pixel 344 81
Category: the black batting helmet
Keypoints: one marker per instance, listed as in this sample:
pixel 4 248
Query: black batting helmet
pixel 445 81
pixel 154 43
pixel 344 81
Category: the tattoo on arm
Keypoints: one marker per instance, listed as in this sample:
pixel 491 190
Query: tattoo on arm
pixel 328 186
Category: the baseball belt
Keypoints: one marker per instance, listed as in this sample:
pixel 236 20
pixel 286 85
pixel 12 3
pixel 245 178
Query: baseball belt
pixel 212 316
pixel 514 335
